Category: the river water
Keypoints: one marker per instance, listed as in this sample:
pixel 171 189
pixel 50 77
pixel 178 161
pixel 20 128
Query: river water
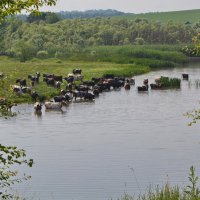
pixel 123 142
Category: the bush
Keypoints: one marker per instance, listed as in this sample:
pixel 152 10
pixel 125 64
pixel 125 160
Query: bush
pixel 42 54
pixel 139 41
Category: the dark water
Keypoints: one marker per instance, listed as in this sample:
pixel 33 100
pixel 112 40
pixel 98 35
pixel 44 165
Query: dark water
pixel 123 142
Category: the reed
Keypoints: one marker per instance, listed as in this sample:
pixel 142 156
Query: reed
pixel 166 82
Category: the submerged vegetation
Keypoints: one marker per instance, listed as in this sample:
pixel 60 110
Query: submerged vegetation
pixel 166 82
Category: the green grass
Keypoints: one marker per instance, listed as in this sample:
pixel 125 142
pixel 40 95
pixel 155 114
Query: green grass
pixel 184 16
pixel 154 56
pixel 14 69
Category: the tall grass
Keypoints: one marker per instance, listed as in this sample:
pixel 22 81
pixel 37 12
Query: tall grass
pixel 151 55
pixel 167 192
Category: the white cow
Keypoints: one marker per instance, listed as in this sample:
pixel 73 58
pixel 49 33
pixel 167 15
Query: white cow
pixel 53 105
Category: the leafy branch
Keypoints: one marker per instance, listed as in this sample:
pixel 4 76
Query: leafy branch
pixel 11 156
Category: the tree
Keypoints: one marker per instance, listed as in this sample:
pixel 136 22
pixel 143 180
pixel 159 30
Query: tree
pixel 12 7
pixel 11 156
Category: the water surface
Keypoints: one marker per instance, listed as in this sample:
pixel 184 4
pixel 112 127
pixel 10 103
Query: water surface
pixel 123 142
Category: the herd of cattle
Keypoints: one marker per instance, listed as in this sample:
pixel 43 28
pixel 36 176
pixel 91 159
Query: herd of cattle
pixel 76 88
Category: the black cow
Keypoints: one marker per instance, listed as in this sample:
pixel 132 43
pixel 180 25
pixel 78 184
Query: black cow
pixel 48 75
pixel 104 86
pixel 82 88
pixel 58 78
pixel 89 83
pixel 89 96
pixel 49 81
pixel 78 94
pixel 96 80
pixel 115 84
pixel 69 87
pixel 96 92
pixel 185 76
pixel 22 82
pixel 34 95
pixel 69 79
pixel 77 71
pixel 33 78
pixel 143 88
pixel 59 98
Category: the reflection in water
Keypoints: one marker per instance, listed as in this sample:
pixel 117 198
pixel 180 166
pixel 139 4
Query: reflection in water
pixel 38 113
pixel 87 151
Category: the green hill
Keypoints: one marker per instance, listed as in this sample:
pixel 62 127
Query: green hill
pixel 185 16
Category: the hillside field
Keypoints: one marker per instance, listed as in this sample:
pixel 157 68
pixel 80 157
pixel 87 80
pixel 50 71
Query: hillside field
pixel 191 16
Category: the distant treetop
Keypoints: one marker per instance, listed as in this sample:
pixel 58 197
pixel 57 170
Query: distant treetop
pixel 90 13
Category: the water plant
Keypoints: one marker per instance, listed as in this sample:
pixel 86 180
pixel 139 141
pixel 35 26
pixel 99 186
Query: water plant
pixel 167 192
pixel 166 82
pixel 192 190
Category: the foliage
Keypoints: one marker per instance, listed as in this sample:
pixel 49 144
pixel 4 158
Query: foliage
pixel 10 7
pixel 47 17
pixel 70 15
pixel 89 14
pixel 193 51
pixel 192 190
pixel 166 82
pixel 10 156
pixel 154 56
pixel 195 115
pixel 42 54
pixel 139 41
pixel 5 110
pixel 71 36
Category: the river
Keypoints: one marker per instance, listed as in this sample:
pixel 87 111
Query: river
pixel 123 142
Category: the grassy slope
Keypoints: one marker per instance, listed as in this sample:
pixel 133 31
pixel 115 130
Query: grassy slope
pixel 14 69
pixel 177 16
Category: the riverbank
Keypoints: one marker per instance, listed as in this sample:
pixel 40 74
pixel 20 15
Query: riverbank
pixel 14 70
pixel 126 61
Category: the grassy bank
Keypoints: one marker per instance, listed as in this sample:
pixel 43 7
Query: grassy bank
pixel 154 56
pixel 95 62
pixel 14 69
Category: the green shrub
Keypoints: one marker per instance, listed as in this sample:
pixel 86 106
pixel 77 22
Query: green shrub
pixel 42 54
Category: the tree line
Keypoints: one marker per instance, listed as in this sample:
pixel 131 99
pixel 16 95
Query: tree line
pixel 39 38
